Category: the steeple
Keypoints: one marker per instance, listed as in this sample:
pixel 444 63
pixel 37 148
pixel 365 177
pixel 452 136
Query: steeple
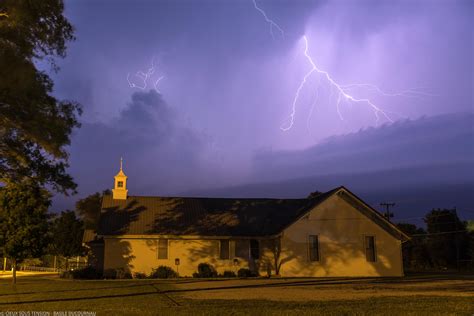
pixel 119 191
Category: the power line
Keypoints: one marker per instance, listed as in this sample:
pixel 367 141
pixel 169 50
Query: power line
pixel 440 233
pixel 388 214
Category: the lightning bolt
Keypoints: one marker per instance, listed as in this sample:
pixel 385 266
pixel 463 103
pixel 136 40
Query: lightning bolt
pixel 143 77
pixel 155 85
pixel 343 93
pixel 269 21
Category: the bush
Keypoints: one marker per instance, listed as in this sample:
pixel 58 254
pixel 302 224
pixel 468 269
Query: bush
pixel 66 275
pixel 163 272
pixel 205 270
pixel 88 273
pixel 228 274
pixel 117 274
pixel 139 275
pixel 110 274
pixel 245 273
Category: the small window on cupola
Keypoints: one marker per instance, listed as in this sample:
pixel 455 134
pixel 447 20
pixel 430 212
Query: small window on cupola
pixel 120 191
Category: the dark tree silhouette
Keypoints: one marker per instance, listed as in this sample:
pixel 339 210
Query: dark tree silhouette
pixel 447 239
pixel 23 222
pixel 35 127
pixel 66 236
pixel 314 194
pixel 89 208
pixel 415 251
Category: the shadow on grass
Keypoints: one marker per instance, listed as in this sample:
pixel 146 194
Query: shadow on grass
pixel 170 301
pixel 283 283
pixel 79 290
pixel 78 298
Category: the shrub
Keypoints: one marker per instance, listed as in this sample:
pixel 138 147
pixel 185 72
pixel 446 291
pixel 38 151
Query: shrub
pixel 139 275
pixel 245 273
pixel 88 273
pixel 228 274
pixel 66 275
pixel 163 272
pixel 110 274
pixel 117 274
pixel 205 270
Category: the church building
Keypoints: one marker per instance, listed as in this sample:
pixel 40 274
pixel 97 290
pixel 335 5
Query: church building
pixel 325 235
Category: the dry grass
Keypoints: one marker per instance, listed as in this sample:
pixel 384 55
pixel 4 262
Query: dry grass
pixel 325 289
pixel 434 295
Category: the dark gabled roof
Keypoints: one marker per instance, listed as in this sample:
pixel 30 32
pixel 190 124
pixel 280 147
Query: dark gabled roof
pixel 142 215
pixel 146 215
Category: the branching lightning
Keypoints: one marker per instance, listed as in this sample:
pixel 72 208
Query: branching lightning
pixel 143 78
pixel 344 93
pixel 269 21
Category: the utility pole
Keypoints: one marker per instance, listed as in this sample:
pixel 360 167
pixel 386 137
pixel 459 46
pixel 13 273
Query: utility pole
pixel 387 214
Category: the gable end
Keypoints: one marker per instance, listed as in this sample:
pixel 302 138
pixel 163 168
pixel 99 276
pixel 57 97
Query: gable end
pixel 372 214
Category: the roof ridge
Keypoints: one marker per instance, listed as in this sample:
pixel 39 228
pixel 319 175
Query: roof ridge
pixel 209 198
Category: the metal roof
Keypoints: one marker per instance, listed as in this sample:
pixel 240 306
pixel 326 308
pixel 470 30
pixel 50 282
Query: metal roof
pixel 143 215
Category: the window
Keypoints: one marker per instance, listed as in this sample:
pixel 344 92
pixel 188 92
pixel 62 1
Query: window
pixel 370 254
pixel 120 184
pixel 224 249
pixel 254 249
pixel 313 248
pixel 242 249
pixel 162 248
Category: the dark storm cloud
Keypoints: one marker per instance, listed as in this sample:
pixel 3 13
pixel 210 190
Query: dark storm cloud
pixel 229 87
pixel 419 164
pixel 240 83
pixel 161 155
pixel 429 141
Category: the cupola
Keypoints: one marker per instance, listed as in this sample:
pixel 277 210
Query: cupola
pixel 119 191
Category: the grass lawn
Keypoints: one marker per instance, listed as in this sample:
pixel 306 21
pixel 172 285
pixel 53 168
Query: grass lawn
pixel 422 295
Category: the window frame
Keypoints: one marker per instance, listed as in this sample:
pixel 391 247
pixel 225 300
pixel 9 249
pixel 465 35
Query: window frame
pixel 310 248
pixel 239 245
pixel 158 248
pixel 220 249
pixel 251 257
pixel 119 184
pixel 366 248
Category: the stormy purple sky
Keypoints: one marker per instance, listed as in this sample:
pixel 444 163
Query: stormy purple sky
pixel 228 88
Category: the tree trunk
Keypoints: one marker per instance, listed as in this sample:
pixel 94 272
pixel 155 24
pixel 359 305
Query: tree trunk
pixel 14 271
pixel 276 255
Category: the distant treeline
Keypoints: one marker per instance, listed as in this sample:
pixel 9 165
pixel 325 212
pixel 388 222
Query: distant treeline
pixel 446 244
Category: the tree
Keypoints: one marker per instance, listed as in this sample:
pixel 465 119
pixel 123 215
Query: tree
pixel 23 222
pixel 35 127
pixel 276 249
pixel 414 251
pixel 89 208
pixel 447 238
pixel 314 194
pixel 66 235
